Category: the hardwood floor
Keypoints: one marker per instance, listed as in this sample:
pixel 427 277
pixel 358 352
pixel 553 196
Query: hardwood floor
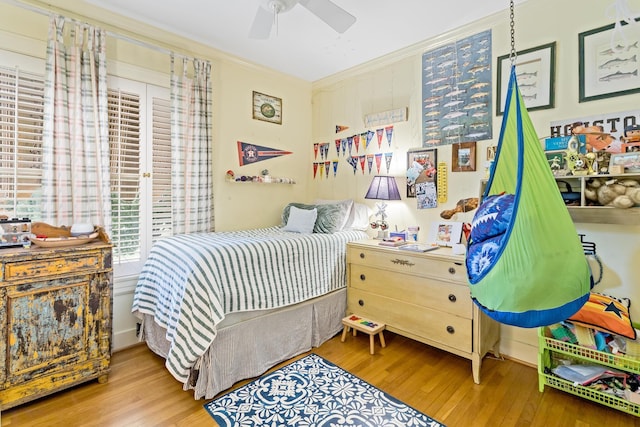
pixel 140 391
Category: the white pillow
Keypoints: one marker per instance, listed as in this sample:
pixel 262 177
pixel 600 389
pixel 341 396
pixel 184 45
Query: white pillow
pixel 345 205
pixel 359 218
pixel 301 220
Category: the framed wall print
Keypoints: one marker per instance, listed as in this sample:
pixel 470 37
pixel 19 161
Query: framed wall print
pixel 535 73
pixel 267 108
pixel 421 166
pixel 608 61
pixel 463 157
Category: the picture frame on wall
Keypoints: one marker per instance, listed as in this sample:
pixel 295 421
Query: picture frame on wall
pixel 267 108
pixel 463 157
pixel 421 167
pixel 535 73
pixel 609 61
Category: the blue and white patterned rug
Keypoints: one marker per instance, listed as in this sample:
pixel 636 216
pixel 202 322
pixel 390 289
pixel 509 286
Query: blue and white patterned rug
pixel 313 392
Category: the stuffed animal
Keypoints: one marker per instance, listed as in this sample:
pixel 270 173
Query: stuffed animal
pixel 619 193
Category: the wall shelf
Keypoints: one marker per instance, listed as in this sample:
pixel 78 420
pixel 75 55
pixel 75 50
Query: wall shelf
pixel 585 213
pixel 599 214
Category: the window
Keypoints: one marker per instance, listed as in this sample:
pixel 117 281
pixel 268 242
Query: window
pixel 140 160
pixel 21 116
pixel 140 151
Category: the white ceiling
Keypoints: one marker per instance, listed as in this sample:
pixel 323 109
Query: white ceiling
pixel 305 46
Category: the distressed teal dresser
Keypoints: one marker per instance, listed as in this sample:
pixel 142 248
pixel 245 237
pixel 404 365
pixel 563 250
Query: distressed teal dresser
pixel 55 319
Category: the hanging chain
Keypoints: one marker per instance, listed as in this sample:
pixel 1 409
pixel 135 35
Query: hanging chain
pixel 512 55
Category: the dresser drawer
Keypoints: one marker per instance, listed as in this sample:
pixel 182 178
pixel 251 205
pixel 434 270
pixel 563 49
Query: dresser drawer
pixel 422 291
pixel 424 324
pixel 51 266
pixel 408 263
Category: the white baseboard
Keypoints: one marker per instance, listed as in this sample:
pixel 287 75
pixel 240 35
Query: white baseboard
pixel 124 339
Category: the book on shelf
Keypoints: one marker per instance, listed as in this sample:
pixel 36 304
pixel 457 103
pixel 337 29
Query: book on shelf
pixel 417 247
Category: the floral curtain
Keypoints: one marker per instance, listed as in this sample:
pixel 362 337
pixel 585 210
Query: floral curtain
pixel 75 176
pixel 191 168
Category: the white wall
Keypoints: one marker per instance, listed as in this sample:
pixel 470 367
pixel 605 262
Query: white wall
pixel 394 81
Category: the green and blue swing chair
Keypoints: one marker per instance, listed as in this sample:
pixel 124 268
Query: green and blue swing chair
pixel 525 262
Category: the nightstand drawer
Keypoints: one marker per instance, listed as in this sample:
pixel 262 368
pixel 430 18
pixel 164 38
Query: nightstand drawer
pixel 51 266
pixel 423 291
pixel 408 263
pixel 424 324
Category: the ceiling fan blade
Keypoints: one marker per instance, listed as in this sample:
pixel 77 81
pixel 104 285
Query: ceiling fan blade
pixel 262 23
pixel 335 16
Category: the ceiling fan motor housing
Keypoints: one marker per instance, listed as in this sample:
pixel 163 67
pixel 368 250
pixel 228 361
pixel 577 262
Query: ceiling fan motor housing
pixel 279 6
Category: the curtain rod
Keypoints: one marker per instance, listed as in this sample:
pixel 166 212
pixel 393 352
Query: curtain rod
pixel 128 39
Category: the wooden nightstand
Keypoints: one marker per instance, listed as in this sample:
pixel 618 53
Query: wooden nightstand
pixel 55 319
pixel 423 296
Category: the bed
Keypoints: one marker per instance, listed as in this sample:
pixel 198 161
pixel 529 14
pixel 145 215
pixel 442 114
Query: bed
pixel 225 306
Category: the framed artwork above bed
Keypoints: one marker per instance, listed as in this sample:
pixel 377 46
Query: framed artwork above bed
pixel 267 108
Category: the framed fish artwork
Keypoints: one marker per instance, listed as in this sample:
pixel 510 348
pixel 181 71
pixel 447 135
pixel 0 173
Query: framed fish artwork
pixel 535 73
pixel 609 61
pixel 456 92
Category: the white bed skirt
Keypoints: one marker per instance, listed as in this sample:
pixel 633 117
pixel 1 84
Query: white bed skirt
pixel 248 348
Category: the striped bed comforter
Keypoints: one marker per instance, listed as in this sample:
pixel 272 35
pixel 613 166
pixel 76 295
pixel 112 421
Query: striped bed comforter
pixel 190 282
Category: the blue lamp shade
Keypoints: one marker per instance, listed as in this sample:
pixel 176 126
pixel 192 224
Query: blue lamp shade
pixel 383 188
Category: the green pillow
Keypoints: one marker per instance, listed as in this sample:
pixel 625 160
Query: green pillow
pixel 330 219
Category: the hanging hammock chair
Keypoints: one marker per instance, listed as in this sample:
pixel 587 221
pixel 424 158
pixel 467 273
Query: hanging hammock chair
pixel 525 261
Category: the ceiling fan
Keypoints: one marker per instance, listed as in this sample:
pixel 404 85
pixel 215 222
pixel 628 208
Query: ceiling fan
pixel 268 11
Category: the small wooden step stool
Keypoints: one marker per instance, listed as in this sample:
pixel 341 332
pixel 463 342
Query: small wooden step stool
pixel 367 326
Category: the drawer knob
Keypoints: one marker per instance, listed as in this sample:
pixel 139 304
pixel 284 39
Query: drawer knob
pixel 362 277
pixel 452 298
pixel 451 329
pixel 361 303
pixel 362 255
pixel 452 270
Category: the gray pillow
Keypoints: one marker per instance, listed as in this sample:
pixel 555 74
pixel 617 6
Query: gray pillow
pixel 330 219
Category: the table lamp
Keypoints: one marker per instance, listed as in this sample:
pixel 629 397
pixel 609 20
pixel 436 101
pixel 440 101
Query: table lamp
pixel 382 188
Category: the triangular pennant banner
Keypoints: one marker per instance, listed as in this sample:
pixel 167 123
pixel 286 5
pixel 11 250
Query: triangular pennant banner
pixel 370 134
pixel 389 131
pixel 327 167
pixel 321 169
pixel 379 133
pixel 356 142
pixel 370 162
pixel 362 159
pixel 387 159
pixel 315 150
pixel 335 168
pixel 315 170
pixel 353 161
pixel 250 153
pixel 338 147
pixel 340 128
pixel 350 142
pixel 378 161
